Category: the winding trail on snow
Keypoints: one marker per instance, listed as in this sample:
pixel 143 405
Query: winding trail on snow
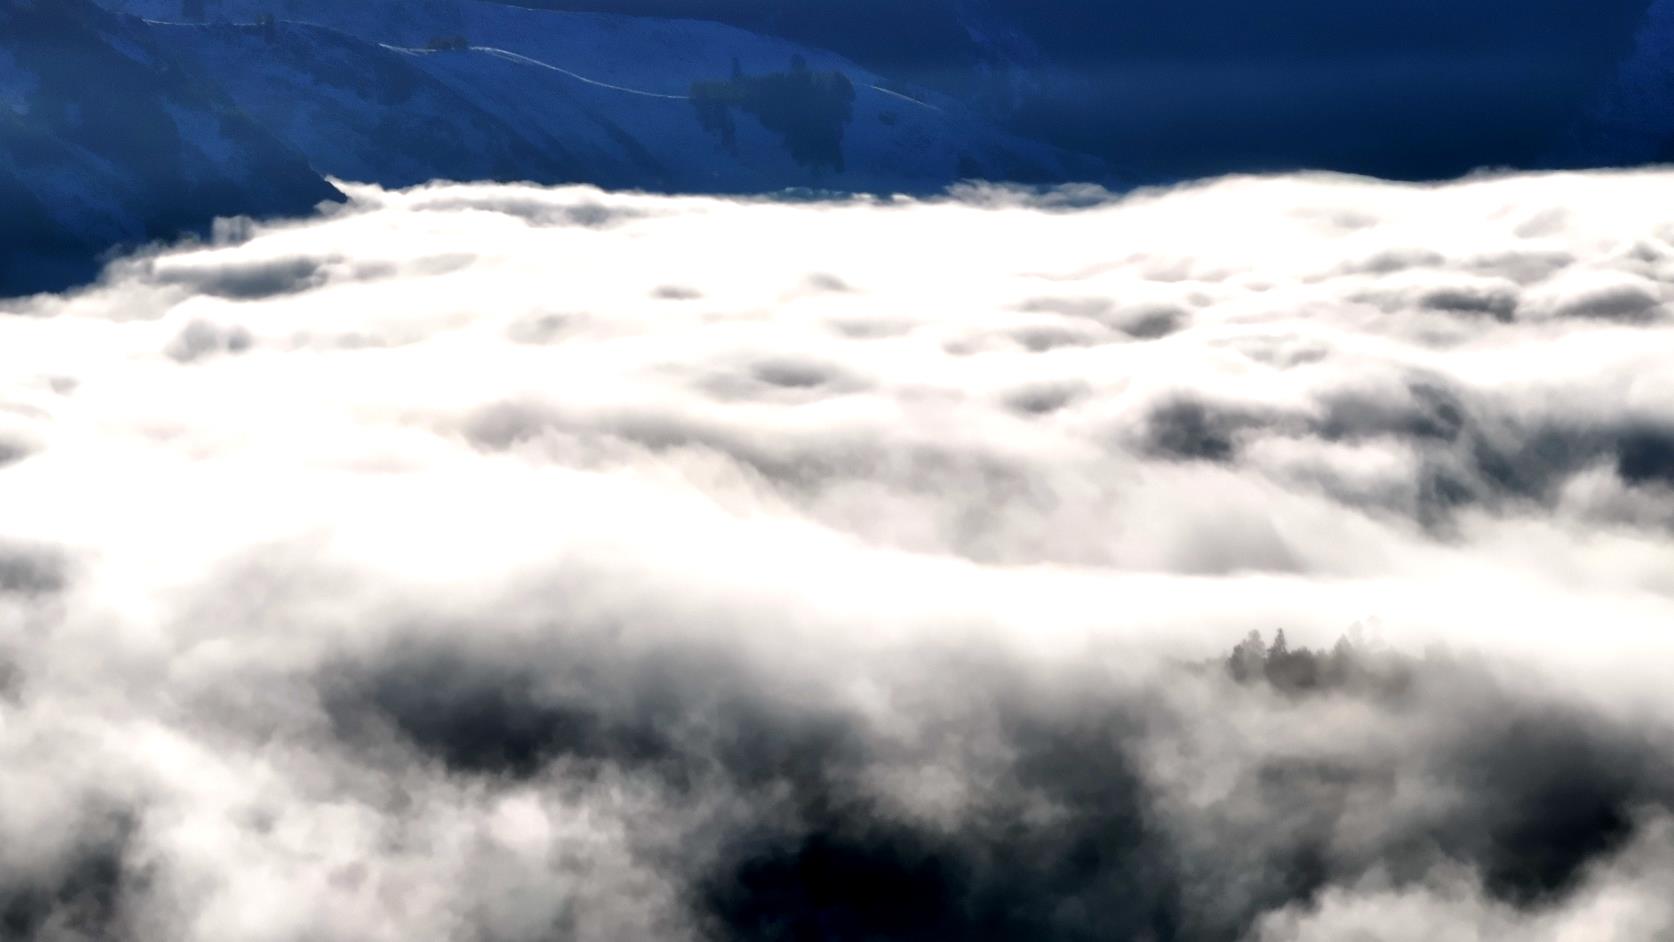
pixel 521 59
pixel 895 94
pixel 510 56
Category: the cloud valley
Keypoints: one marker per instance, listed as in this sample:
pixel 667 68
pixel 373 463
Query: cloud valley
pixel 504 562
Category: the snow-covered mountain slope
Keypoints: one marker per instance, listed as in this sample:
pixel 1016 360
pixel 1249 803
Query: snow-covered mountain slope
pixel 105 141
pixel 892 140
pixel 133 120
pixel 551 96
pixel 360 111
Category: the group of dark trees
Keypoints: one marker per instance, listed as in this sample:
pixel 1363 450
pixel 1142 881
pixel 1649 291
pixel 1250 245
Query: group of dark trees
pixel 1348 665
pixel 200 11
pixel 807 109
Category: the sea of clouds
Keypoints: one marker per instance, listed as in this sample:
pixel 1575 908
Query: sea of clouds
pixel 505 563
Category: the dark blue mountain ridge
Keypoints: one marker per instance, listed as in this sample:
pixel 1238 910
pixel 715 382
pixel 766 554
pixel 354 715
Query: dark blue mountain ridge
pixel 104 141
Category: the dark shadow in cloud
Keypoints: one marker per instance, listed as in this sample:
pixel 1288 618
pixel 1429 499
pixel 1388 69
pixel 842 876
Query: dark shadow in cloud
pixel 480 718
pixel 1044 399
pixel 1151 322
pixel 1041 338
pixel 31 570
pixel 1061 847
pixel 12 451
pixel 1431 411
pixel 789 380
pixel 1094 873
pixel 677 716
pixel 247 281
pixel 1524 266
pixel 1063 198
pixel 1185 429
pixel 1497 300
pixel 1557 792
pixel 1142 322
pixel 1625 303
pixel 1491 461
pixel 536 212
pixel 1645 455
pixel 868 328
pixel 880 884
pixel 1282 351
pixel 1529 464
pixel 82 899
pixel 793 374
pixel 1497 303
pixel 1391 261
pixel 1471 450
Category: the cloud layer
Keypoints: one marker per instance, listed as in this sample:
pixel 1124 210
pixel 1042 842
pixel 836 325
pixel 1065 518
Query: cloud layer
pixel 500 563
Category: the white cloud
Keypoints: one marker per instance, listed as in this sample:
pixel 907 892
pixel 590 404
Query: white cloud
pixel 491 561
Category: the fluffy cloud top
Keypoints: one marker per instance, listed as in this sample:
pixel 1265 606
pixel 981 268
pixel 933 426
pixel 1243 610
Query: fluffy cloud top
pixel 486 562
